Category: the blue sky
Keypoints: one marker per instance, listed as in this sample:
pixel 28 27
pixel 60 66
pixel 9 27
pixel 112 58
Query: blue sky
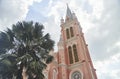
pixel 36 11
pixel 98 18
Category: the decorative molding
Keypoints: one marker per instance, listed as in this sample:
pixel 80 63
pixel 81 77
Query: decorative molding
pixel 71 41
pixel 62 64
pixel 72 66
pixel 68 24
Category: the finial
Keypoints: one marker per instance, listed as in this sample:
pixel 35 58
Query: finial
pixel 62 20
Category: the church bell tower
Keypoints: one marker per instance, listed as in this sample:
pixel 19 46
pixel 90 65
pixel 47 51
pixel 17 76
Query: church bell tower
pixel 74 61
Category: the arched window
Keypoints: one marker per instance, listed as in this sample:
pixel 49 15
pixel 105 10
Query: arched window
pixel 75 53
pixel 54 74
pixel 70 54
pixel 46 75
pixel 76 75
pixel 71 31
pixel 67 33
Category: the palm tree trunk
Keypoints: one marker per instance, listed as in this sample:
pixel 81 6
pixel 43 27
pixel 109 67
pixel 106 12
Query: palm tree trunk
pixel 24 75
pixel 19 73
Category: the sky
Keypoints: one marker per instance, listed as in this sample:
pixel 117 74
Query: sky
pixel 100 20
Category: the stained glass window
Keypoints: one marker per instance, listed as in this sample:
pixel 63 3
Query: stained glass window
pixel 75 53
pixel 71 31
pixel 54 73
pixel 67 33
pixel 70 54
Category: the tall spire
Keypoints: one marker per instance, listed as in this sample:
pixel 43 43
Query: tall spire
pixel 69 14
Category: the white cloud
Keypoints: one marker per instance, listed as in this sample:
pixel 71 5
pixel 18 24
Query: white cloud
pixel 105 31
pixel 12 11
pixel 103 38
pixel 109 68
pixel 54 12
pixel 97 7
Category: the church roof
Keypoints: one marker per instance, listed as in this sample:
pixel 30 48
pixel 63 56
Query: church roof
pixel 69 14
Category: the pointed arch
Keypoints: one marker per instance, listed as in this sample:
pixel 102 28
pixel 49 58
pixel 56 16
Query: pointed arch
pixel 54 73
pixel 70 54
pixel 71 31
pixel 75 53
pixel 67 33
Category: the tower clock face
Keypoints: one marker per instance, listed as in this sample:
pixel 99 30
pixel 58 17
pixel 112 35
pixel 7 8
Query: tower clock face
pixel 76 75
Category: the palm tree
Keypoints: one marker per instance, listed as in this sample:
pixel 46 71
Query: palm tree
pixel 24 51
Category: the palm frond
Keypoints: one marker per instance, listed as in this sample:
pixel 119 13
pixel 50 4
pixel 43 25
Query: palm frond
pixel 25 45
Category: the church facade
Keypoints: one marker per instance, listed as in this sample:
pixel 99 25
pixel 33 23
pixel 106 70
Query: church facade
pixel 72 61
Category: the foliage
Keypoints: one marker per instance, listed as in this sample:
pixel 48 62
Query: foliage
pixel 24 46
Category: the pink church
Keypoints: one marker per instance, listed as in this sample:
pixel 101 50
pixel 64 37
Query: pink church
pixel 72 61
